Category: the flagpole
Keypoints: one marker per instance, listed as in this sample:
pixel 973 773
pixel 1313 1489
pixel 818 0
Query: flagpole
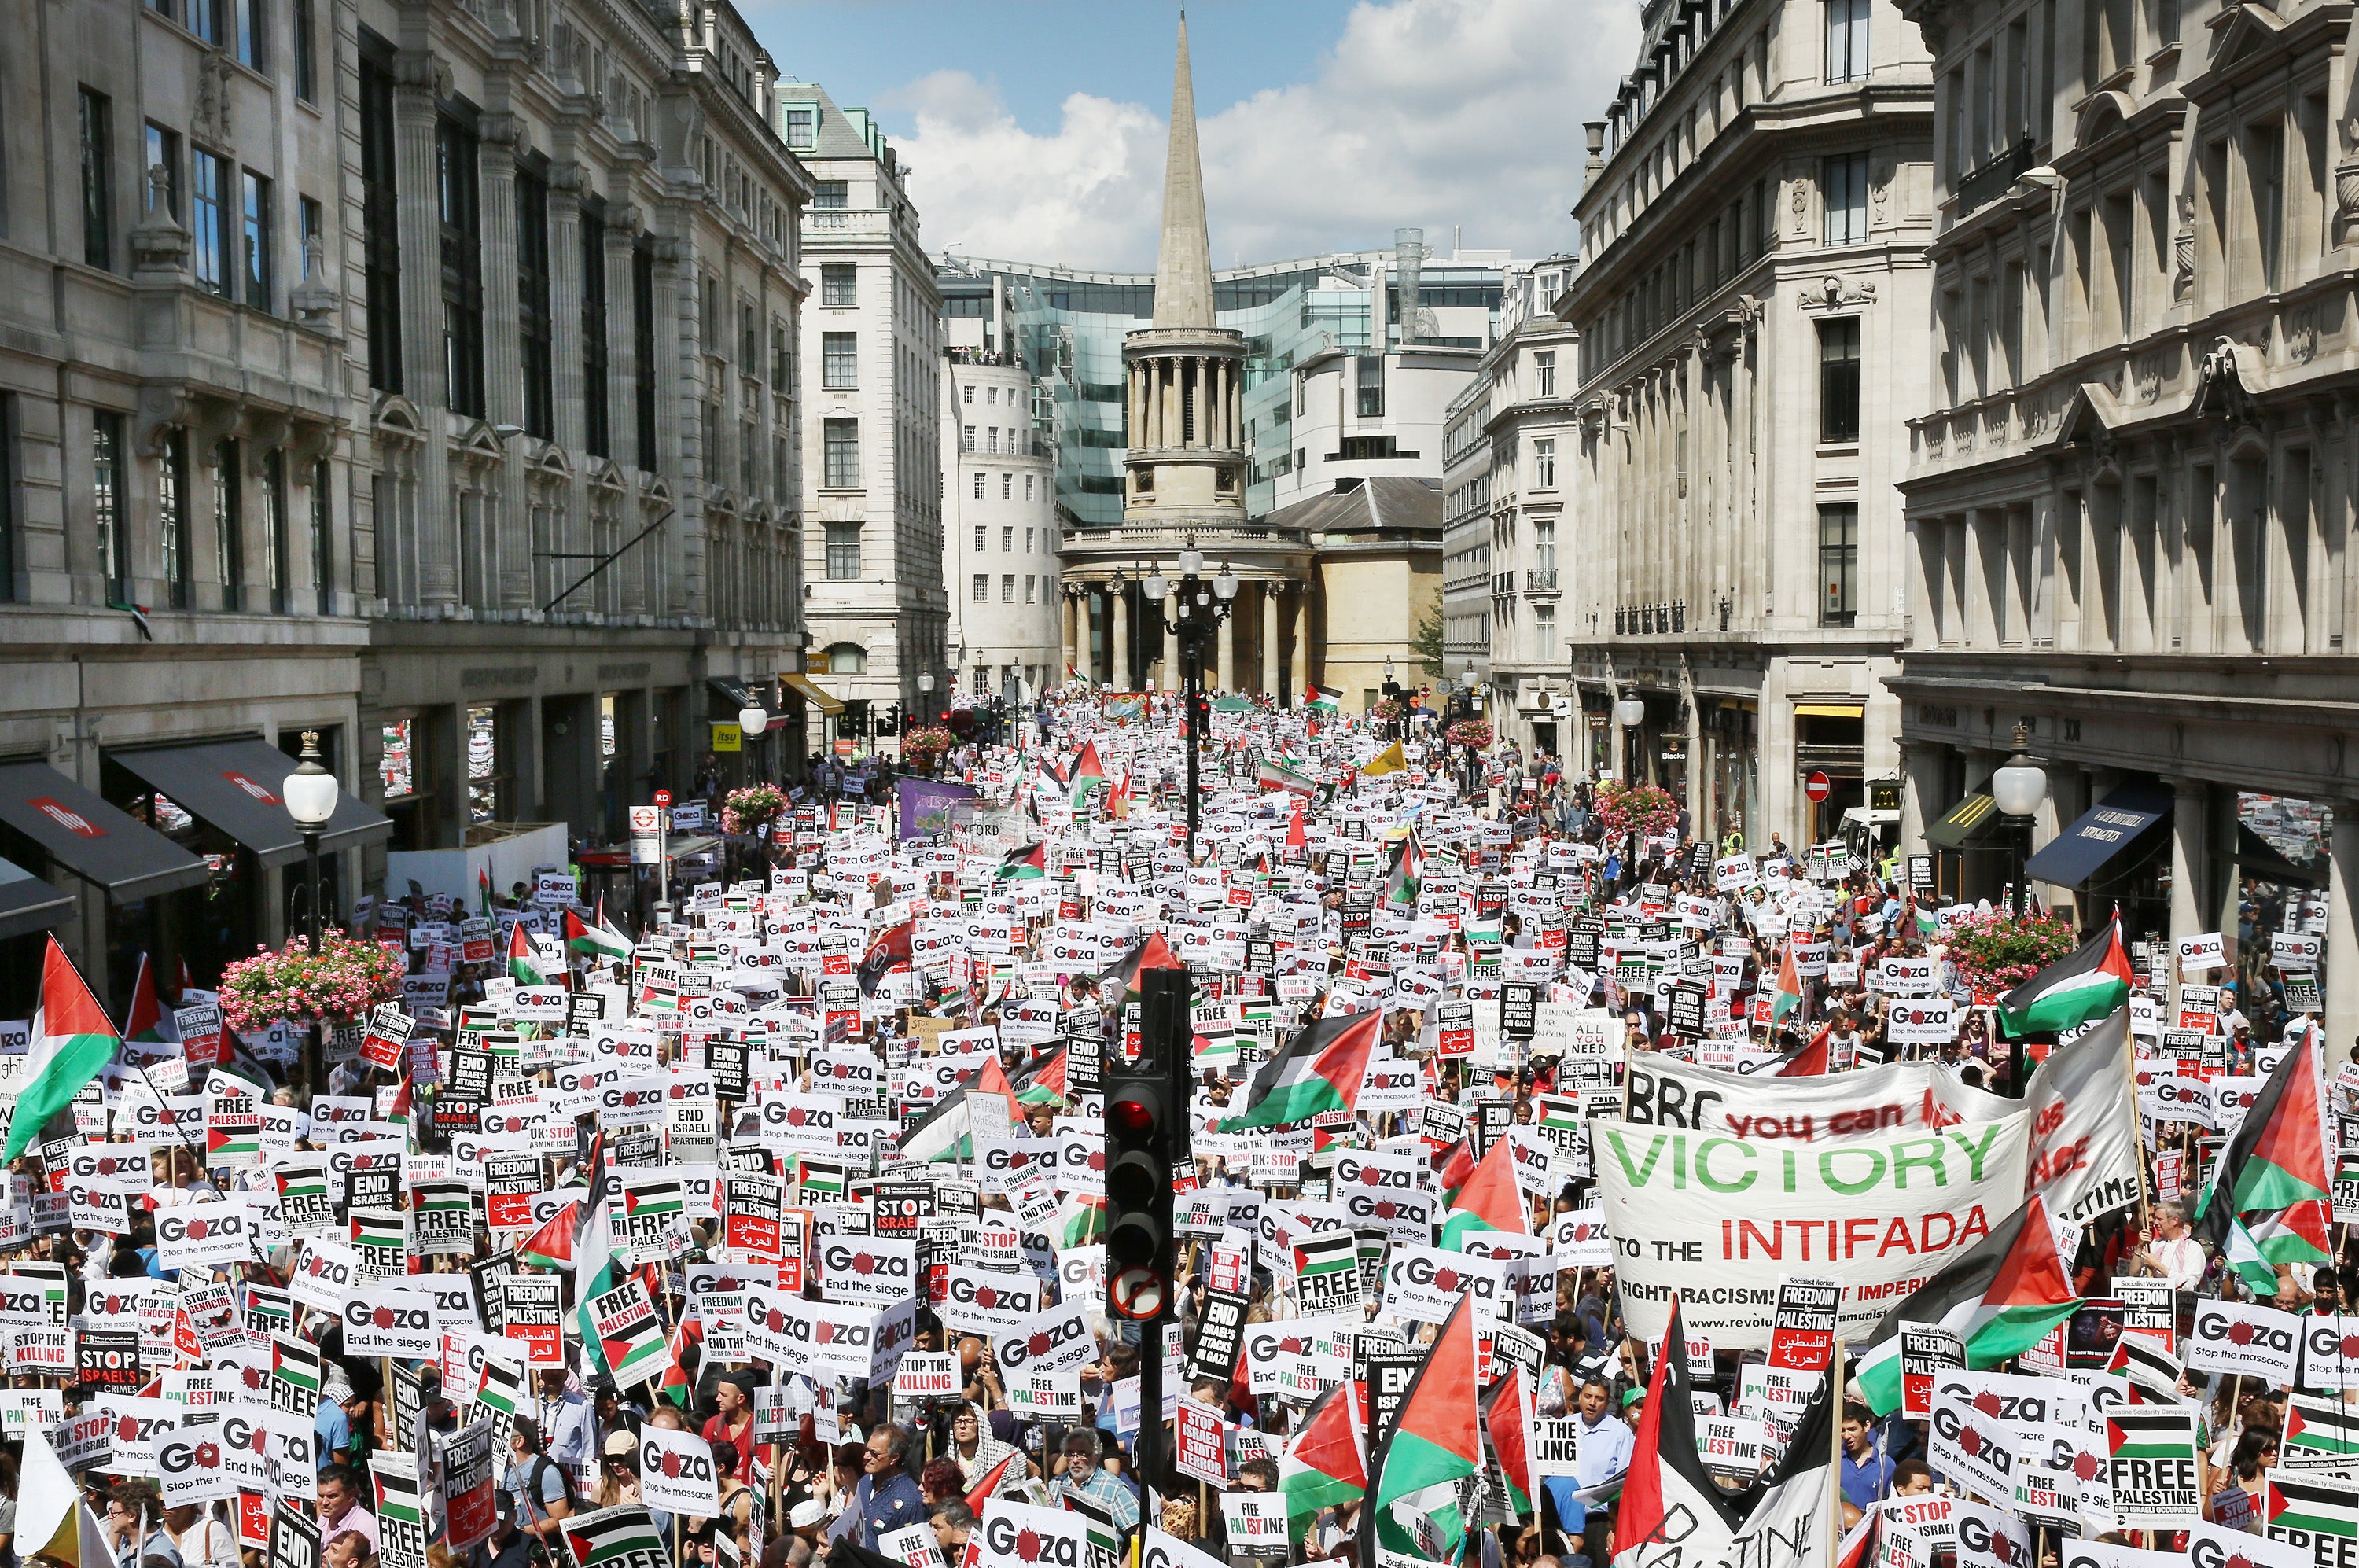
pixel 1834 1447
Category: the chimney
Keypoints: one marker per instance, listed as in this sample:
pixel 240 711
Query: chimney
pixel 1408 269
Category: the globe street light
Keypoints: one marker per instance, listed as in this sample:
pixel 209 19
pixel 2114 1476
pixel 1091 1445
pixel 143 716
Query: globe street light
pixel 2018 787
pixel 311 791
pixel 1629 712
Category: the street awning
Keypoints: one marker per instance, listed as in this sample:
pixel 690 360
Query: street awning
pixel 1831 710
pixel 1964 824
pixel 2101 832
pixel 739 696
pixel 91 839
pixel 28 903
pixel 2258 858
pixel 238 787
pixel 829 707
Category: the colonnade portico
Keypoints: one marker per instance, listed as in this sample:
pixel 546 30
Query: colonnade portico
pixel 1264 646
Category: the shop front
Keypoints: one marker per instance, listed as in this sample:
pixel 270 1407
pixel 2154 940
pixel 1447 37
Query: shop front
pixel 51 826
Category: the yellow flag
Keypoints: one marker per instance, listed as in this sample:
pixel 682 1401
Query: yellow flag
pixel 1388 760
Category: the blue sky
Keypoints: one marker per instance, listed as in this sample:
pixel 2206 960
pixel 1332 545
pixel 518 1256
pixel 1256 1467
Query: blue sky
pixel 1036 128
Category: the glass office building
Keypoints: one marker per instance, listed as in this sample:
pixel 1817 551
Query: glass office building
pixel 1067 327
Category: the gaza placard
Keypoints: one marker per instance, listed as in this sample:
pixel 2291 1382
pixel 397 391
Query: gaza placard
pixel 1716 1220
pixel 1875 1101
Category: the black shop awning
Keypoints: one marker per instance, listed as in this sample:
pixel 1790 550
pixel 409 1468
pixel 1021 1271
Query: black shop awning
pixel 91 839
pixel 2101 833
pixel 28 903
pixel 1964 824
pixel 238 787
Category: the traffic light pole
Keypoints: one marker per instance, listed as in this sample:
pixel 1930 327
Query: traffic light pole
pixel 1148 1116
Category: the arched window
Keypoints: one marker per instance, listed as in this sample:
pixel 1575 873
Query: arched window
pixel 846 658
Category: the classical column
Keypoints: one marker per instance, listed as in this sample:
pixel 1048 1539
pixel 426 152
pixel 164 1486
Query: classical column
pixel 2190 858
pixel 1166 657
pixel 509 536
pixel 1072 597
pixel 1227 675
pixel 1269 649
pixel 419 81
pixel 1301 633
pixel 565 290
pixel 2341 936
pixel 1118 650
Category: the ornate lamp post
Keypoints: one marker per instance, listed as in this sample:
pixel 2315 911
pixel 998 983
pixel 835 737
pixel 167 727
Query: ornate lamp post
pixel 1202 606
pixel 310 793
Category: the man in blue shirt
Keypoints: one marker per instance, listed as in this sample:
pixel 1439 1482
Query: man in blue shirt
pixel 885 1499
pixel 1866 1470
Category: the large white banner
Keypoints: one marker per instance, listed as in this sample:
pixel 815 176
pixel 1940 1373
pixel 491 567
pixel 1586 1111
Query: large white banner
pixel 1875 1101
pixel 2085 1126
pixel 1716 1220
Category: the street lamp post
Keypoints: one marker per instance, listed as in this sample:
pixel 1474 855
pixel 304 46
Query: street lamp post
pixel 310 793
pixel 1630 713
pixel 1202 607
pixel 2018 786
pixel 1399 724
pixel 752 720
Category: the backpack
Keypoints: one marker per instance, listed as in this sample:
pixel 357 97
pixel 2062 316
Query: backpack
pixel 541 1465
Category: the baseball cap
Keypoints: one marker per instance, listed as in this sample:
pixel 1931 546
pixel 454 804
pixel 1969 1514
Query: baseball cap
pixel 622 1442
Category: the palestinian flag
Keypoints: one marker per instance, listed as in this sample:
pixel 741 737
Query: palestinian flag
pixel 1457 1169
pixel 72 1043
pixel 623 1536
pixel 1406 876
pixel 620 1328
pixel 2320 1429
pixel 1325 1463
pixel 1321 1071
pixel 982 1491
pixel 2150 1369
pixel 599 940
pixel 2150 1433
pixel 1325 700
pixel 1388 760
pixel 2001 1296
pixel 593 1227
pixel 1089 775
pixel 2328 1505
pixel 2079 988
pixel 1789 995
pixel 551 1246
pixel 888 950
pixel 2267 1201
pixel 1120 983
pixel 679 1386
pixel 1025 863
pixel 148 1023
pixel 1435 1443
pixel 1277 775
pixel 484 892
pixel 524 966
pixel 1811 1061
pixel 1508 1422
pixel 1489 1200
pixel 1672 1512
pixel 1043 1082
pixel 1080 1221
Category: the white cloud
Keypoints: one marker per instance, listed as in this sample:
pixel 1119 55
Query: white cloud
pixel 1429 113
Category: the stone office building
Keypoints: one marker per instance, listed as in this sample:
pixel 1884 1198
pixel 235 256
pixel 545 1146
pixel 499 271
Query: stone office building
pixel 2129 491
pixel 342 337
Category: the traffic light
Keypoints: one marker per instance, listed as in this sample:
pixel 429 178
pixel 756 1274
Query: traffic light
pixel 893 719
pixel 1145 1121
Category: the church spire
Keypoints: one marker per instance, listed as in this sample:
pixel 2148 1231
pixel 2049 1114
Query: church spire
pixel 1184 265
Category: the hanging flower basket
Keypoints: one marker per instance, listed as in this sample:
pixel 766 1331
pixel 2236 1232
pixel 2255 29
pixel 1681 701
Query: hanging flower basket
pixel 1476 733
pixel 1996 951
pixel 341 982
pixel 1385 708
pixel 751 809
pixel 1645 808
pixel 923 748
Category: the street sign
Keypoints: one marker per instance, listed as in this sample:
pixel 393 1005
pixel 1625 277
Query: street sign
pixel 1818 787
pixel 663 797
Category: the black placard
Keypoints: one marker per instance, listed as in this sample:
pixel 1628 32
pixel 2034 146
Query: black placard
pixel 1685 1008
pixel 1519 1003
pixel 1388 1374
pixel 1220 1337
pixel 108 1358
